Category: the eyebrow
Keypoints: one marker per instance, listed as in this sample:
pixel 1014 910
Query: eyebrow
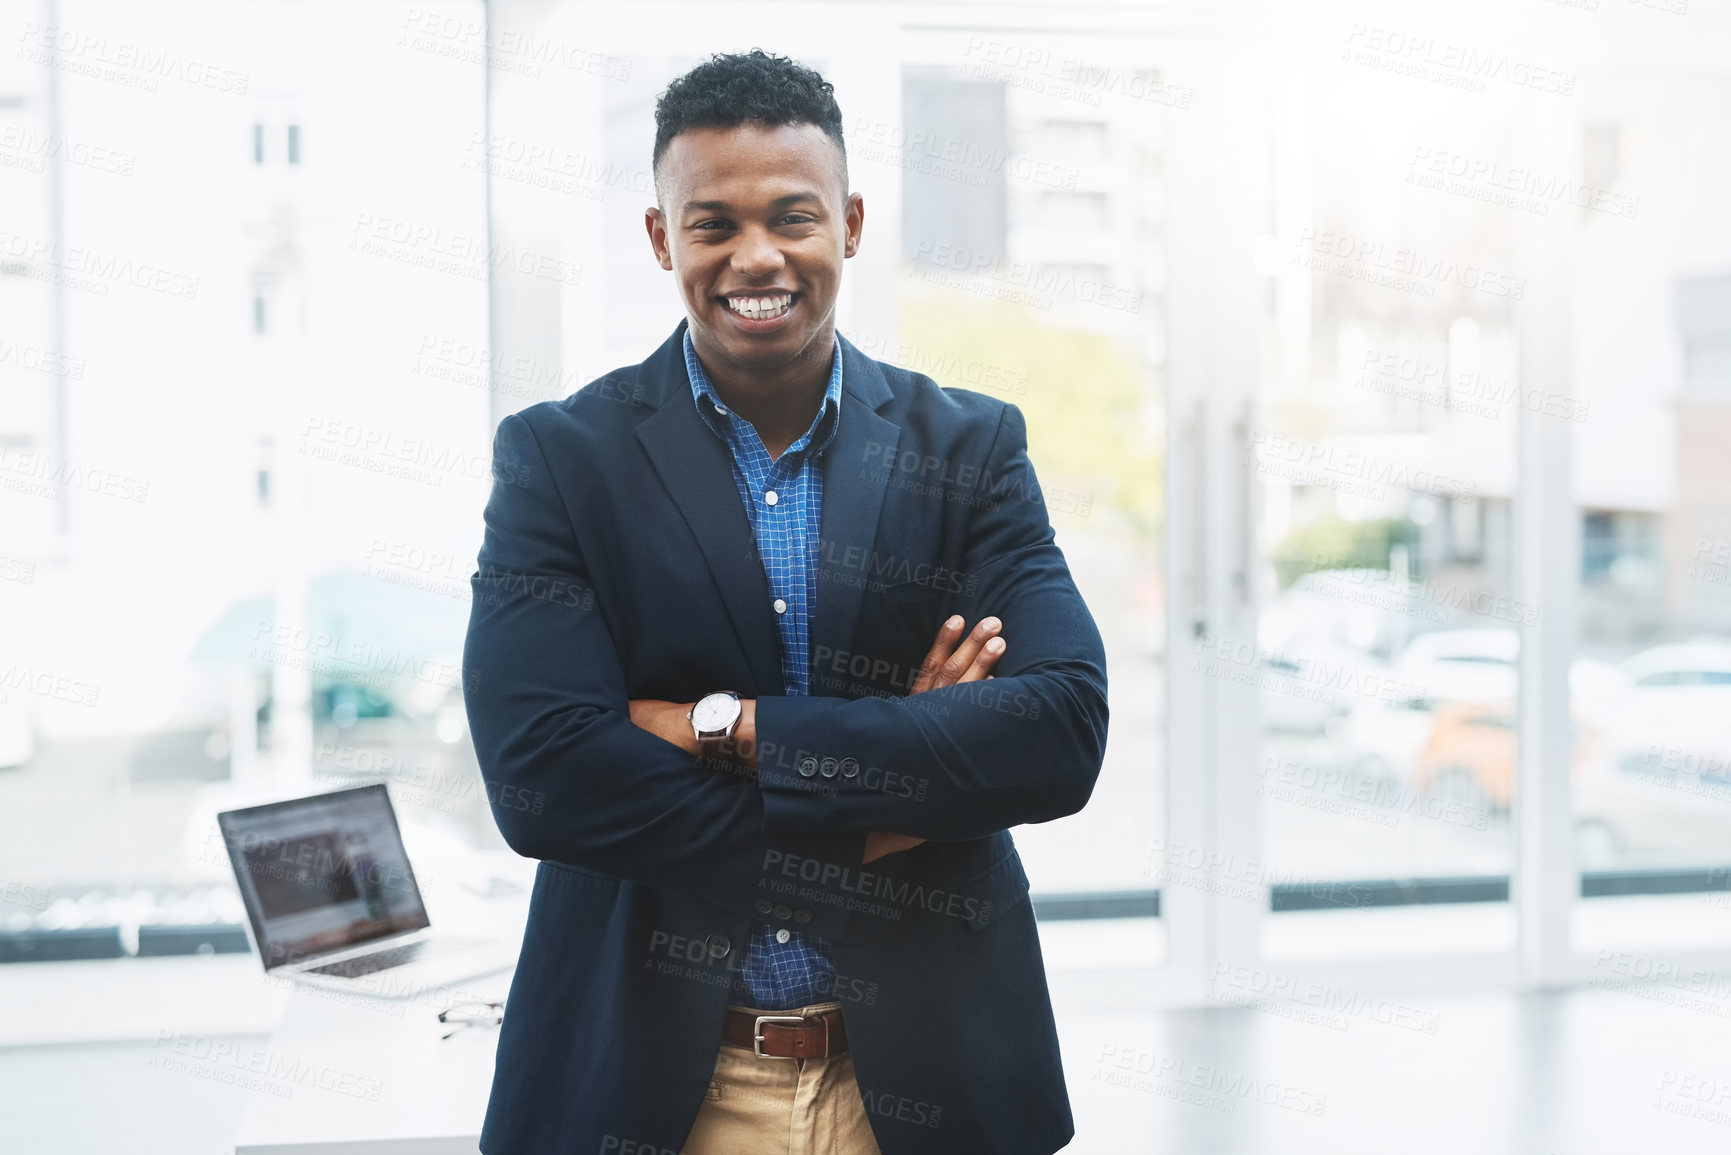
pixel 777 203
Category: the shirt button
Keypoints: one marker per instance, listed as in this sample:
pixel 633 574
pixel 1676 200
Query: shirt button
pixel 780 606
pixel 783 935
pixel 720 408
pixel 769 497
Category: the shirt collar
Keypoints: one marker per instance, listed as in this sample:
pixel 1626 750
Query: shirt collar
pixel 817 435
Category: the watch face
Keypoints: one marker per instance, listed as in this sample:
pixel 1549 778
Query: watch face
pixel 715 711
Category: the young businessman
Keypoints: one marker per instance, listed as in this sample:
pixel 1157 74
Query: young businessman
pixel 723 685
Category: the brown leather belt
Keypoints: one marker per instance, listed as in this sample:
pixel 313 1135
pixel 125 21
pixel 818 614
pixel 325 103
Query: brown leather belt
pixel 819 1036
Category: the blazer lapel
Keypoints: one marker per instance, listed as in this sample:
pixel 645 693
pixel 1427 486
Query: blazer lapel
pixel 855 478
pixel 697 470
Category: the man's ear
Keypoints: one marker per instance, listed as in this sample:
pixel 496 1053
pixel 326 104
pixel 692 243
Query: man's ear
pixel 656 224
pixel 853 224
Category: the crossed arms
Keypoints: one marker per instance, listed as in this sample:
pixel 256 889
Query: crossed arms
pixel 953 658
pixel 551 718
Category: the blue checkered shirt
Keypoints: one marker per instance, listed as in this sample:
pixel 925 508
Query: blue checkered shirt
pixel 779 975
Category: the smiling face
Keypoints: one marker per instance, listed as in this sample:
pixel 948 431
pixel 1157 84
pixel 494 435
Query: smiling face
pixel 754 223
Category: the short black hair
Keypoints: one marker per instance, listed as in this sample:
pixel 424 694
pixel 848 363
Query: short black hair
pixel 732 89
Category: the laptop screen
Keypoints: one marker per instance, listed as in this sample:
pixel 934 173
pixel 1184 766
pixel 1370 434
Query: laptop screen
pixel 323 873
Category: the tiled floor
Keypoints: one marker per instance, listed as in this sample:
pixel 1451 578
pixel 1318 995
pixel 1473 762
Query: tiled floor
pixel 1589 1072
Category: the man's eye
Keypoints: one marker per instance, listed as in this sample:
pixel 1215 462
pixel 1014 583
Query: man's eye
pixel 711 225
pixel 796 219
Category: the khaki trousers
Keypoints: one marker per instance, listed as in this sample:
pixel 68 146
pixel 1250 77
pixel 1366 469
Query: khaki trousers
pixel 771 1106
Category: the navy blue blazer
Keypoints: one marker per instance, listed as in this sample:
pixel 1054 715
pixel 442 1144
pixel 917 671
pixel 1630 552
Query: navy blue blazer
pixel 618 563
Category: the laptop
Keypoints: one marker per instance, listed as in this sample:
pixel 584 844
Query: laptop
pixel 332 901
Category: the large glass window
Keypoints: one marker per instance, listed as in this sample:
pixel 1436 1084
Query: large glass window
pixel 1382 451
pixel 243 448
pixel 1653 792
pixel 1029 233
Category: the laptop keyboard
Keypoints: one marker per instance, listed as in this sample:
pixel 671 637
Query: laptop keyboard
pixel 366 964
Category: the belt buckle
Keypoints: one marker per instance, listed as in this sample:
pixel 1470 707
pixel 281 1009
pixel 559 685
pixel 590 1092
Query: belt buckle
pixel 757 1033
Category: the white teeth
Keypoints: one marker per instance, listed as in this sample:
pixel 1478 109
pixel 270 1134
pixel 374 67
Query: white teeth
pixel 760 308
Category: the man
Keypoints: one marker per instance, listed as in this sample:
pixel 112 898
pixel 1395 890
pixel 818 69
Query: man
pixel 771 644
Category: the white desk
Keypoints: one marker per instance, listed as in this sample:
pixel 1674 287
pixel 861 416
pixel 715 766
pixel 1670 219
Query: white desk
pixel 353 1074
pixel 137 999
pixel 347 1075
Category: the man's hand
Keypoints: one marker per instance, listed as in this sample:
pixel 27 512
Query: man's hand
pixel 954 658
pixel 668 720
pixel 880 843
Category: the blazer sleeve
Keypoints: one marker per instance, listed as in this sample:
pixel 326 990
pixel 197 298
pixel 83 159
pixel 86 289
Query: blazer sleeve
pixel 963 761
pixel 570 777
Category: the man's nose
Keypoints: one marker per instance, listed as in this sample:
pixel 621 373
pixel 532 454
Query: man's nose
pixel 757 255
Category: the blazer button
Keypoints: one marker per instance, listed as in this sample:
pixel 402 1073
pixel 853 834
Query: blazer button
pixel 807 766
pixel 828 767
pixel 784 912
pixel 718 945
pixel 762 906
pixel 802 915
pixel 849 767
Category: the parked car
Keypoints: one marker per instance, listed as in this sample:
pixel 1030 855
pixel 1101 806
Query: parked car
pixel 1477 665
pixel 1661 793
pixel 1470 755
pixel 1308 681
pixel 1650 818
pixel 1676 717
pixel 1384 734
pixel 1383 737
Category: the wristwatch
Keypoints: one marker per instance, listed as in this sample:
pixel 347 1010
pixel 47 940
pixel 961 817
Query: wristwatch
pixel 714 717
